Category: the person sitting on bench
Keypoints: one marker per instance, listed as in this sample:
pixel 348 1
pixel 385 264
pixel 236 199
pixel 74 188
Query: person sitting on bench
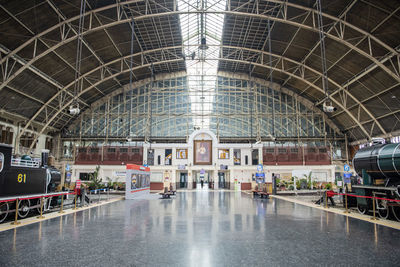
pixel 171 189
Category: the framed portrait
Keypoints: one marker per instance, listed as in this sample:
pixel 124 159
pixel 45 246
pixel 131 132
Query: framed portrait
pixel 181 153
pixel 202 152
pixel 223 153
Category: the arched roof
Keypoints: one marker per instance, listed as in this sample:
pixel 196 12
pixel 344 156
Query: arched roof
pixel 38 52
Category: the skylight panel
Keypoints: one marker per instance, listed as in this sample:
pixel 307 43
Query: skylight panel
pixel 201 60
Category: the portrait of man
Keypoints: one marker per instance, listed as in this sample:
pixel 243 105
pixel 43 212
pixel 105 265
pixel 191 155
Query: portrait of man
pixel 202 152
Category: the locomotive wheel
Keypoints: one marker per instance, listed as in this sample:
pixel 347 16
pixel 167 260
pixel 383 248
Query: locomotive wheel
pixel 4 208
pixel 383 209
pixel 362 209
pixel 24 208
pixel 45 202
pixel 396 212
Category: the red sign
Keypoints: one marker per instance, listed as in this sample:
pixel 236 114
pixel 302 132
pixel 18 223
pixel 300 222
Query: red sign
pixel 78 184
pixel 137 167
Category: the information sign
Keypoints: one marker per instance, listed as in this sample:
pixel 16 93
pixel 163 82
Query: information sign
pixel 259 168
pixel 346 167
pixel 78 184
pixel 347 178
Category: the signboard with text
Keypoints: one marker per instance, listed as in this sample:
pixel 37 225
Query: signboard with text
pixel 78 184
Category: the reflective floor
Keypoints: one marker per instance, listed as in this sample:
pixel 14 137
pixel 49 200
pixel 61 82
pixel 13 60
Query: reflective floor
pixel 201 228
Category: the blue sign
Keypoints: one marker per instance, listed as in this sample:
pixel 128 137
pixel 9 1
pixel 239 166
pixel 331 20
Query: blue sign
pixel 346 167
pixel 259 168
pixel 67 167
pixel 347 178
pixel 260 177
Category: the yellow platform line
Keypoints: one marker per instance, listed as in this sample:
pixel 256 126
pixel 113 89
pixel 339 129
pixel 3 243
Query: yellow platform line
pixel 367 218
pixel 52 215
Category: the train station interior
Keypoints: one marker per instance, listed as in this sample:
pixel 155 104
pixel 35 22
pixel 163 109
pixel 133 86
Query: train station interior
pixel 199 133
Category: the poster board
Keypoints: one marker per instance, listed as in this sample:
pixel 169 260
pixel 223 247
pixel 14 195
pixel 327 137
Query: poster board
pixel 223 153
pixel 181 153
pixel 137 181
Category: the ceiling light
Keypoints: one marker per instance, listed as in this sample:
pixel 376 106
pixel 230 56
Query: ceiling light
pixel 203 45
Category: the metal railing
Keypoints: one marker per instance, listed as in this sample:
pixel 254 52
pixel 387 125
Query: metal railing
pixel 25 163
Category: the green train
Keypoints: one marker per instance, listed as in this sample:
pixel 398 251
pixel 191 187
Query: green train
pixel 379 167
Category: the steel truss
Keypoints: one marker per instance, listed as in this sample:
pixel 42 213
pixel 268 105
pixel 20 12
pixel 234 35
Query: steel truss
pixel 337 32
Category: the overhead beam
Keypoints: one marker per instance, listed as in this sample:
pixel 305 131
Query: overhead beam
pixel 128 2
pixel 261 53
pixel 251 15
pixel 215 59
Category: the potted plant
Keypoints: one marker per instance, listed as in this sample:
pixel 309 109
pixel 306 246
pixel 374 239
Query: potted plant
pixel 95 180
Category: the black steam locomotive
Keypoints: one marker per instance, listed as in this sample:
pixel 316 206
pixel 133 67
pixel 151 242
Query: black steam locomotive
pixel 379 167
pixel 24 177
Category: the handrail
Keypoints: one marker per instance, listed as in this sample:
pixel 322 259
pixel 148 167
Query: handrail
pixel 13 198
pixel 25 163
pixel 352 195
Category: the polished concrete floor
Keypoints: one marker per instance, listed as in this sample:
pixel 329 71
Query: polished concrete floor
pixel 201 228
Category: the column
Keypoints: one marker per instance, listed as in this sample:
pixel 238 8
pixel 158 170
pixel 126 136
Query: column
pixel 190 179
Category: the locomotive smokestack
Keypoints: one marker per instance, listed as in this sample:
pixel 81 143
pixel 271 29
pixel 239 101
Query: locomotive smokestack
pixel 45 157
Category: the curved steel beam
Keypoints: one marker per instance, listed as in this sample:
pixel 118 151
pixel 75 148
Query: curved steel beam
pixel 221 46
pixel 216 59
pixel 260 16
pixel 128 2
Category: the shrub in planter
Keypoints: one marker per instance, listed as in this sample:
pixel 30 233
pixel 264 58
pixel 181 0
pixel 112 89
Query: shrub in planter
pixel 303 184
pixel 315 185
pixel 328 186
pixel 298 187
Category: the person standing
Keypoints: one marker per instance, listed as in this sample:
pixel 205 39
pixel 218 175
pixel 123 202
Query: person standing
pixel 202 183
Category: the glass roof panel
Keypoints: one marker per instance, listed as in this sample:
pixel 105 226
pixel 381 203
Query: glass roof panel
pixel 201 59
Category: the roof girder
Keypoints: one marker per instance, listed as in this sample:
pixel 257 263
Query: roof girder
pixel 377 62
pixel 261 54
pixel 231 60
pixel 283 2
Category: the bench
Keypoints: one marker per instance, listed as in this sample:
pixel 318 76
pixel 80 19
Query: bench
pixel 166 193
pixel 171 189
pixel 261 194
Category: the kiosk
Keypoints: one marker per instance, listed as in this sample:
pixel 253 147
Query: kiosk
pixel 137 181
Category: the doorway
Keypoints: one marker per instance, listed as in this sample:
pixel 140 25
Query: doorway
pixel 221 180
pixel 183 180
pixel 204 176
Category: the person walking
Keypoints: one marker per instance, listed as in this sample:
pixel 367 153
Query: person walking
pixel 202 183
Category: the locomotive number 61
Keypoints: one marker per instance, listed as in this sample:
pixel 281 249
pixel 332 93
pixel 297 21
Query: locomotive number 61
pixel 21 178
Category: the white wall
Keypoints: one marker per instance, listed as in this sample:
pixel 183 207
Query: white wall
pixel 243 173
pixel 105 171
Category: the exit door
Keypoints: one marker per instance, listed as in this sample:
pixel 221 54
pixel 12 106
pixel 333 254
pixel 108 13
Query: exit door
pixel 183 180
pixel 221 180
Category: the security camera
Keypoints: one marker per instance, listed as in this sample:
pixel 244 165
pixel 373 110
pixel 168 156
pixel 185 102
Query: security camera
pixel 74 110
pixel 128 139
pixel 328 108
